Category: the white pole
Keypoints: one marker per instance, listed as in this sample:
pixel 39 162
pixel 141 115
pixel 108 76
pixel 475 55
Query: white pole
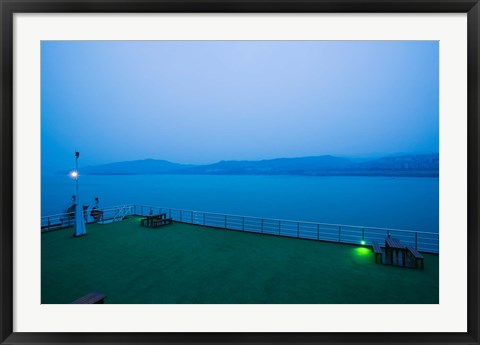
pixel 76 177
pixel 79 216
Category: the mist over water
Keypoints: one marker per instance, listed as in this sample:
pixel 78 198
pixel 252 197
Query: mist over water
pixel 199 102
pixel 392 202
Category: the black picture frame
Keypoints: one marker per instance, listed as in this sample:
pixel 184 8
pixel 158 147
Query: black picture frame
pixel 7 10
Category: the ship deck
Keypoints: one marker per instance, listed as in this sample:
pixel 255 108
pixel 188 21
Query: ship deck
pixel 184 263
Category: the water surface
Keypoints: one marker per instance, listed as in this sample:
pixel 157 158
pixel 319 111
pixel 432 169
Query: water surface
pixel 394 202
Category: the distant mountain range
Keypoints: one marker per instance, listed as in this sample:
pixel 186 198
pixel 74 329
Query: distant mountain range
pixel 402 165
pixel 139 167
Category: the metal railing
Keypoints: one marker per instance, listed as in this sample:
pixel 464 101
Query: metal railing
pixel 341 233
pixel 352 234
pixel 65 220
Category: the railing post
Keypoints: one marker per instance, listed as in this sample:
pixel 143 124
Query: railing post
pixel 180 215
pixel 203 218
pixel 142 211
pixel 416 241
pixel 191 218
pixel 318 231
pixel 243 223
pixel 298 229
pixel 339 233
pixel 279 226
pixel 169 213
pixel 388 233
pixel 262 226
pixel 225 222
pixel 363 234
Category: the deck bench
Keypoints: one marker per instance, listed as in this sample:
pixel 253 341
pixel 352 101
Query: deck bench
pixel 91 298
pixel 418 257
pixel 377 250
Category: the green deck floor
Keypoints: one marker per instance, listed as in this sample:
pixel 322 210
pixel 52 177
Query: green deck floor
pixel 183 263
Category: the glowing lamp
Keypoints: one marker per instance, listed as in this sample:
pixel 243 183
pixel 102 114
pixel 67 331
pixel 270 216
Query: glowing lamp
pixel 362 242
pixel 74 174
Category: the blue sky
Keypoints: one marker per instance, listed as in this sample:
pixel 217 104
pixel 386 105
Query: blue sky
pixel 204 101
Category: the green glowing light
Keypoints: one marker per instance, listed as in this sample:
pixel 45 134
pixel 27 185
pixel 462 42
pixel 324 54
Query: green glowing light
pixel 362 251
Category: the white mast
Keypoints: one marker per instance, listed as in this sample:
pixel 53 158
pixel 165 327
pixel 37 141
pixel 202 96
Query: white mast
pixel 79 227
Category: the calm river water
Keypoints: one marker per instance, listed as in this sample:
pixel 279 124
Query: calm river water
pixel 394 202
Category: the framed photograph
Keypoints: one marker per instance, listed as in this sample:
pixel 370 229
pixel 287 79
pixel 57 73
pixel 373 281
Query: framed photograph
pixel 251 172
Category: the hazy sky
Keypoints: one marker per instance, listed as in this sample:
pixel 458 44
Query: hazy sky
pixel 205 101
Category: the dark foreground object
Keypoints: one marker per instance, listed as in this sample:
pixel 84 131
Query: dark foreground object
pixel 91 298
